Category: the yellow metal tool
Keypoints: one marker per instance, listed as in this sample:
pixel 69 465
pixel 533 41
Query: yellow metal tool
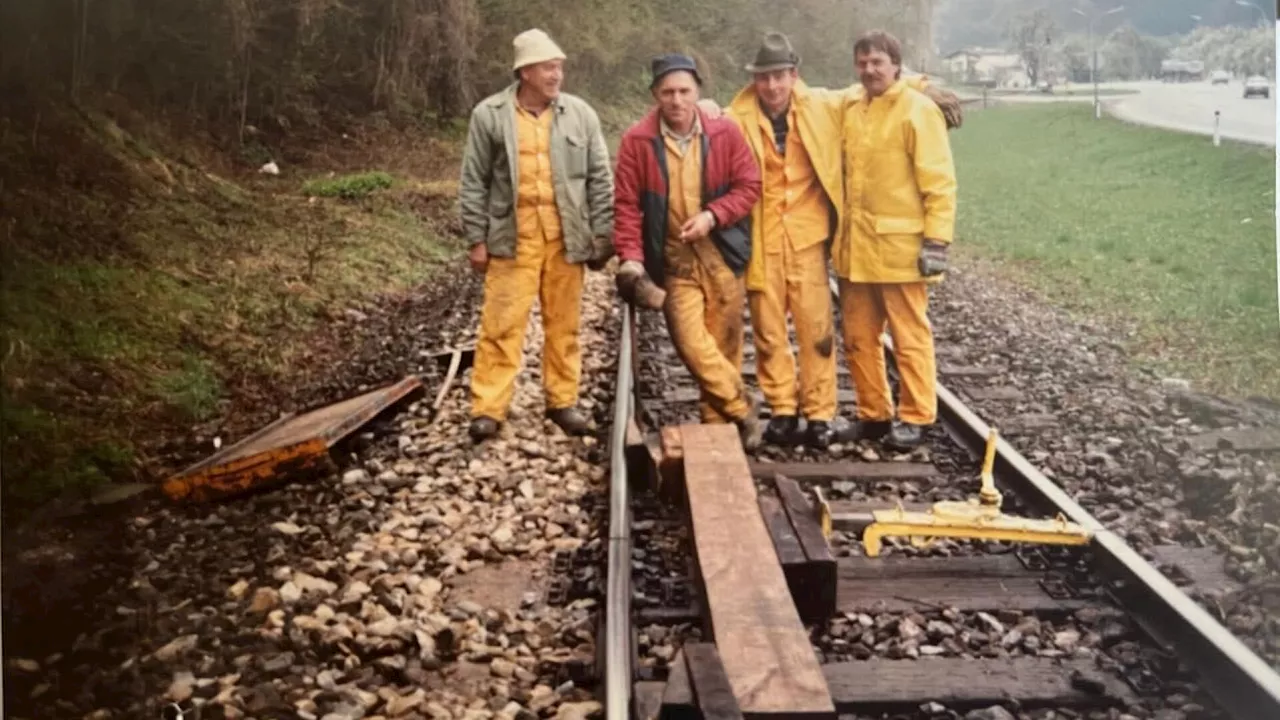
pixel 976 518
pixel 824 513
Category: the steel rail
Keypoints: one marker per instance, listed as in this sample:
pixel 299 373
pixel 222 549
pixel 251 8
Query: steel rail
pixel 617 654
pixel 1240 681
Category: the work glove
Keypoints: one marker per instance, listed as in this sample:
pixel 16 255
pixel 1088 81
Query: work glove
pixel 946 101
pixel 933 258
pixel 636 288
pixel 602 251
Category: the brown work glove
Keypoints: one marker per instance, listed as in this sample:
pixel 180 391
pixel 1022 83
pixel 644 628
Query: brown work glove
pixel 946 101
pixel 601 253
pixel 636 288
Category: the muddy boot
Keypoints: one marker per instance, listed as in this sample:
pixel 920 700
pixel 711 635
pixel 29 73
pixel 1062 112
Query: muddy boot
pixel 819 435
pixel 569 420
pixel 482 428
pixel 904 437
pixel 867 430
pixel 781 430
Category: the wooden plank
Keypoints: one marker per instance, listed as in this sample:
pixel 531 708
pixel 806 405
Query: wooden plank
pixel 805 581
pixel 964 594
pixel 689 395
pixel 749 369
pixel 962 371
pixel 835 471
pixel 646 699
pixel 888 568
pixel 671 468
pixel 1204 569
pixel 642 468
pixel 1243 440
pixel 993 393
pixel 853 517
pixel 677 696
pixel 287 448
pixel 766 652
pixel 711 690
pixel 819 581
pixel 880 685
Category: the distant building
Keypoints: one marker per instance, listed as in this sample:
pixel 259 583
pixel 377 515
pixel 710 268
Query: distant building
pixel 1182 71
pixel 991 67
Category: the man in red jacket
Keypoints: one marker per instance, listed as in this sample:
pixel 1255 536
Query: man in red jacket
pixel 684 188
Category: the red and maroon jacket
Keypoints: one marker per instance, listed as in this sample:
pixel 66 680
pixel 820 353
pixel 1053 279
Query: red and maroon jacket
pixel 730 187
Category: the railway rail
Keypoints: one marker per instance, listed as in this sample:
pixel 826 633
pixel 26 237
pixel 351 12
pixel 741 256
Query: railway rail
pixel 924 629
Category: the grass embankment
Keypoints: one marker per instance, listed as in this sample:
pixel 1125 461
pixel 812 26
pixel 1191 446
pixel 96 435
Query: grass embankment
pixel 1137 224
pixel 145 281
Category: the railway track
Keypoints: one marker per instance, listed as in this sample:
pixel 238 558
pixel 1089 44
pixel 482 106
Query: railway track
pixel 922 630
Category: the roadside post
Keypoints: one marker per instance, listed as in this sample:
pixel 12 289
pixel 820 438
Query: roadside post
pixel 1217 138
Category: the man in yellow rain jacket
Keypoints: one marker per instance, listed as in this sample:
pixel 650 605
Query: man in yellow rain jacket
pixel 794 132
pixel 536 197
pixel 899 219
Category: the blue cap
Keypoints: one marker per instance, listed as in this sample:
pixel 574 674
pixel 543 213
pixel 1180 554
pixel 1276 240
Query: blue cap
pixel 671 62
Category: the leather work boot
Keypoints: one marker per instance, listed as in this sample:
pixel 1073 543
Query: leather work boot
pixel 781 430
pixel 569 420
pixel 904 437
pixel 819 435
pixel 482 428
pixel 869 429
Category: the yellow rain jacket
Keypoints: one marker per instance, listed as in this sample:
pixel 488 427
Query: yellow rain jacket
pixel 899 184
pixel 818 112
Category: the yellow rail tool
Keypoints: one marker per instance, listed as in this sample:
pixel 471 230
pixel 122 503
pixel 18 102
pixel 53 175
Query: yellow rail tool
pixel 978 518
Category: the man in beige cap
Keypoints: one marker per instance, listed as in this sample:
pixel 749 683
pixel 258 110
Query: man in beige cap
pixel 536 199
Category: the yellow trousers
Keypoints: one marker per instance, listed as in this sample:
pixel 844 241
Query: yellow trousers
pixel 796 283
pixel 539 270
pixel 704 316
pixel 865 309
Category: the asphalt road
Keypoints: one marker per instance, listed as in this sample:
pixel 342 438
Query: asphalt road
pixel 1189 107
pixel 1183 107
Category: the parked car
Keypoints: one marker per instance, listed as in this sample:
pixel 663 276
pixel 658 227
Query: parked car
pixel 1219 77
pixel 1257 85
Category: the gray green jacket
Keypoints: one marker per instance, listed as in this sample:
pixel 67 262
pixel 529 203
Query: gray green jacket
pixel 580 169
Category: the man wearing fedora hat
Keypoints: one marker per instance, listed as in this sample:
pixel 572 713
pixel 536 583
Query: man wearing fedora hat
pixel 794 135
pixel 685 187
pixel 536 198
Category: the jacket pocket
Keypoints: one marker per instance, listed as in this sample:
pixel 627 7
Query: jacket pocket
pixel 575 150
pixel 899 225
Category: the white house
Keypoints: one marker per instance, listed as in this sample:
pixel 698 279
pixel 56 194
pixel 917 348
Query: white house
pixel 988 66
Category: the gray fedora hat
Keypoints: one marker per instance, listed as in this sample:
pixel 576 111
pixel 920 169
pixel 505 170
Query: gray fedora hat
pixel 775 53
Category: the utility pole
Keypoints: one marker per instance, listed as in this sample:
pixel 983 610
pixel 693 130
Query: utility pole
pixel 1093 48
pixel 1261 13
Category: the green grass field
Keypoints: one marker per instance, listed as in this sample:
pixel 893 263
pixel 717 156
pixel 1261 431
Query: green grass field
pixel 1135 224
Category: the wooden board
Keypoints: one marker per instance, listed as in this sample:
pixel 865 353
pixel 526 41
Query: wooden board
pixel 1204 569
pixel 646 699
pixel 835 471
pixel 818 586
pixel 749 369
pixel 677 696
pixel 1245 440
pixel 671 468
pixel 961 683
pixel 854 517
pixel 993 393
pixel 711 690
pixel 805 581
pixel 689 395
pixel 766 652
pixel 969 586
pixel 286 448
pixel 960 371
